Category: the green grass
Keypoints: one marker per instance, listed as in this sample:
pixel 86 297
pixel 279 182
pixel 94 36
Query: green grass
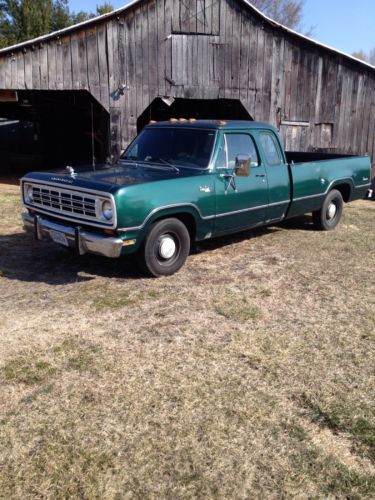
pixel 344 420
pixel 235 305
pixel 26 370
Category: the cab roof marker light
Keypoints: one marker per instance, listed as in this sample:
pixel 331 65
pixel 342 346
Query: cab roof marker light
pixel 173 120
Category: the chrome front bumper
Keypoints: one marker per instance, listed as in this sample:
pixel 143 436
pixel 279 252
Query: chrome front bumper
pixel 79 239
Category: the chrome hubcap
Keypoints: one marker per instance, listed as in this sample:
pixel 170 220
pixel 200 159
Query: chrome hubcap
pixel 167 247
pixel 331 212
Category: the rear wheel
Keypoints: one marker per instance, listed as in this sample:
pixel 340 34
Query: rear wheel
pixel 330 214
pixel 165 249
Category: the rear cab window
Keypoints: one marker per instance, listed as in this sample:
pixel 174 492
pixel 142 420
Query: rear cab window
pixel 271 149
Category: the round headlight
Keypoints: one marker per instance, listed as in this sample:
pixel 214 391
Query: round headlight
pixel 107 210
pixel 29 194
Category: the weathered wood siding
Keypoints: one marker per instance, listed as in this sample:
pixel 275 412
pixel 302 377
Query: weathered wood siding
pixel 318 99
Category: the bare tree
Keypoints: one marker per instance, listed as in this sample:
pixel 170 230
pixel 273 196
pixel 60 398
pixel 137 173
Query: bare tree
pixel 361 54
pixel 287 12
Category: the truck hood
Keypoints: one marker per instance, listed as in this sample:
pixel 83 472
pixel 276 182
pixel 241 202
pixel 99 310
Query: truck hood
pixel 111 177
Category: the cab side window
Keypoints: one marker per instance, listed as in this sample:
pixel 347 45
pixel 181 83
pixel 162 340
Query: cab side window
pixel 270 149
pixel 234 145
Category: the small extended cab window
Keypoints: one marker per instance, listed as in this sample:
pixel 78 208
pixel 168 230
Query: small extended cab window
pixel 270 149
pixel 233 145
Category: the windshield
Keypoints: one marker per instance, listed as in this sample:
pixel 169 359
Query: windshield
pixel 178 146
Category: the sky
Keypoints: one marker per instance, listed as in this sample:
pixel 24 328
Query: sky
pixel 343 24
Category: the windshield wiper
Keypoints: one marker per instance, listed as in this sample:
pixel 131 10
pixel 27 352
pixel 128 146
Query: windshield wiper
pixel 169 164
pixel 156 163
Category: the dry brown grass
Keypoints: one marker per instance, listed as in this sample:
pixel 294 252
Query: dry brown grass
pixel 250 374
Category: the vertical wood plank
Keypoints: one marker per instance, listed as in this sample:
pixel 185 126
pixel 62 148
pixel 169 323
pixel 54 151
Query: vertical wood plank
pixel 67 63
pixel 152 50
pixel 2 71
pixel 35 67
pixel 103 65
pixel 267 81
pixel 43 58
pixel 252 72
pixel 260 74
pixel 93 62
pixel 20 71
pixel 28 70
pixel 75 61
pixel 236 53
pixel 59 65
pixel 82 53
pixel 160 24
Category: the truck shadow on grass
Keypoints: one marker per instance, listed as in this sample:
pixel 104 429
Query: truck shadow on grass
pixel 22 258
pixel 301 223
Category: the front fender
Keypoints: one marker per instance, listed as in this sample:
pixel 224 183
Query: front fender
pixel 202 225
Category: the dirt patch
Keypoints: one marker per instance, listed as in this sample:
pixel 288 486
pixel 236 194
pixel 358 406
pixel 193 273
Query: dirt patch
pixel 248 374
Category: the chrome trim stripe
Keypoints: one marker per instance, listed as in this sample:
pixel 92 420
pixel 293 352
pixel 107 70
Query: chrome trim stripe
pixel 177 205
pixel 207 217
pixel 329 187
pixel 68 187
pixel 324 192
pixel 252 209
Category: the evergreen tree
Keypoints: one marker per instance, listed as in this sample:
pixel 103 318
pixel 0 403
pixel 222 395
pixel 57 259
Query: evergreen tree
pixel 105 8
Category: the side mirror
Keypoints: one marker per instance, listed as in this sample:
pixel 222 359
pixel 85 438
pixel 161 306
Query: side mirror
pixel 242 167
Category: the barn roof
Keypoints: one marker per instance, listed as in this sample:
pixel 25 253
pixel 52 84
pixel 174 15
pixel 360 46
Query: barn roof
pixel 121 10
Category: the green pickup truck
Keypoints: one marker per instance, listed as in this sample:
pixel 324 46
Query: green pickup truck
pixel 185 180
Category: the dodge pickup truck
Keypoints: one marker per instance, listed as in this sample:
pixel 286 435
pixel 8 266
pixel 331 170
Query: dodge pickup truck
pixel 185 180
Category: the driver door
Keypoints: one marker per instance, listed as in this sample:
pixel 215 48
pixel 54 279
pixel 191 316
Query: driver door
pixel 241 201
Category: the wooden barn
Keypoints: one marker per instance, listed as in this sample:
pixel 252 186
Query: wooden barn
pixel 85 91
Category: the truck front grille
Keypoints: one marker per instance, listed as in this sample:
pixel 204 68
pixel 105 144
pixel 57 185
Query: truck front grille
pixel 64 201
pixel 84 206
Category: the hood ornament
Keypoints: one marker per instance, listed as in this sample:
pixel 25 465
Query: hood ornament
pixel 71 171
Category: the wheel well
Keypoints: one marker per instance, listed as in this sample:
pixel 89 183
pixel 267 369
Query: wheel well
pixel 186 219
pixel 345 191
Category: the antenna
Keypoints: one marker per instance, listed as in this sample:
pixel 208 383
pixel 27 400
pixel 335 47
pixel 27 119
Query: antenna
pixel 92 136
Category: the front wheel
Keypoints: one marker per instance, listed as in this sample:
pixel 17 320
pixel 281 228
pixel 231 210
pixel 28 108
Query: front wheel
pixel 165 249
pixel 330 214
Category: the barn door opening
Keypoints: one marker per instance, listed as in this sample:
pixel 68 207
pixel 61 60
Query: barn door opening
pixel 164 108
pixel 52 129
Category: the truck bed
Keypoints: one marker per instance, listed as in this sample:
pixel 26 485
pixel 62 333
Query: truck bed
pixel 302 157
pixel 316 173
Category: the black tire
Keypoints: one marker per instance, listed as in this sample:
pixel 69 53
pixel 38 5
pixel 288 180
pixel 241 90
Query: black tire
pixel 330 214
pixel 165 248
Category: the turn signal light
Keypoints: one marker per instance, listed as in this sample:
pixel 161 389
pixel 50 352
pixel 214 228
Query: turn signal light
pixel 129 243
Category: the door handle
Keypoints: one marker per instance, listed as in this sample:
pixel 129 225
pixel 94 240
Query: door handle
pixel 260 175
